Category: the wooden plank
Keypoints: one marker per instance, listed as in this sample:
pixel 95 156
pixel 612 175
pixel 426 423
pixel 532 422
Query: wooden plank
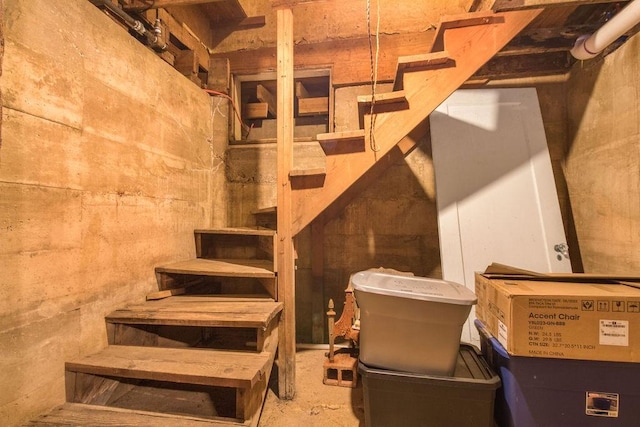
pixel 219 76
pixel 81 415
pixel 221 268
pixel 196 312
pixel 470 47
pixel 462 20
pixel 285 250
pixel 424 61
pixel 263 94
pixel 341 136
pixel 185 37
pixel 223 12
pixel 313 106
pixel 307 172
pixel 186 63
pixel 384 98
pixel 246 231
pixel 504 5
pixel 256 110
pixel 137 5
pixel 165 294
pixel 291 3
pixel 178 365
pixel 301 91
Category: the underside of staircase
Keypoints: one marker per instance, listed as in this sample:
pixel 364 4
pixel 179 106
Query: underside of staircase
pixel 200 350
pixel 461 45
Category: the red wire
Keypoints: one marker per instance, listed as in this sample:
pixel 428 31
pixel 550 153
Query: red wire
pixel 233 104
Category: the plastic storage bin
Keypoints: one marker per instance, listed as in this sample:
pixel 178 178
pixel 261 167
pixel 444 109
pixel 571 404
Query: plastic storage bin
pixel 410 323
pixel 562 392
pixel 395 398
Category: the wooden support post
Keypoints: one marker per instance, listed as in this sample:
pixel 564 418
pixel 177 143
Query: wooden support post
pixel 317 273
pixel 286 267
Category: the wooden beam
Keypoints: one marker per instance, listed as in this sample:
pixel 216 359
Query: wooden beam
pixel 286 252
pixel 161 4
pixel 185 37
pixel 292 3
pixel 263 94
pixel 503 5
pixel 219 77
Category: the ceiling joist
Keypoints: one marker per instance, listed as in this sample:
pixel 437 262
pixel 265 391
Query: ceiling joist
pixel 137 5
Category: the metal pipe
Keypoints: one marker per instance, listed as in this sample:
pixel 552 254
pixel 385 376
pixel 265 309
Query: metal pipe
pixel 590 45
pixel 154 38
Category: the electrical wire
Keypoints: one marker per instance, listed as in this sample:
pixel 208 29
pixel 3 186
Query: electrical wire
pixel 374 72
pixel 233 104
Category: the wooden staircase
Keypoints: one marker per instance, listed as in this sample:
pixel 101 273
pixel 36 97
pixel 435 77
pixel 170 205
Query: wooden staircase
pixel 461 45
pixel 198 352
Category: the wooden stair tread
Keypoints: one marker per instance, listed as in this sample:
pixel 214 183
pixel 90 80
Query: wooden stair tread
pixel 340 136
pixel 246 231
pixel 420 62
pixel 307 172
pixel 81 415
pixel 200 311
pixel 221 267
pixel 179 365
pixel 458 21
pixel 384 98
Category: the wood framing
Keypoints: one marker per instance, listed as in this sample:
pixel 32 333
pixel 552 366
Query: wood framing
pixel 501 5
pixel 286 265
pixel 157 4
pixel 470 47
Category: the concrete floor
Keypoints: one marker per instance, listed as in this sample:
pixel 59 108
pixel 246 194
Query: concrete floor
pixel 315 404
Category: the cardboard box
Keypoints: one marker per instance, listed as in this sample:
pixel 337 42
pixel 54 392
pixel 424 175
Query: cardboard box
pixel 567 316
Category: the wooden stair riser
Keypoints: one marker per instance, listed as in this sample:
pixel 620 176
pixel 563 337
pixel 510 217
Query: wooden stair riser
pixel 147 395
pixel 244 339
pixel 217 285
pixel 82 415
pixel 242 323
pixel 235 246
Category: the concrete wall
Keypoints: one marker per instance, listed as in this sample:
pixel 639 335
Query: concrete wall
pixel 108 162
pixel 603 159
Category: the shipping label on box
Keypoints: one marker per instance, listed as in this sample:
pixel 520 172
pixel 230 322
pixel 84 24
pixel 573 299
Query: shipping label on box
pixel 564 319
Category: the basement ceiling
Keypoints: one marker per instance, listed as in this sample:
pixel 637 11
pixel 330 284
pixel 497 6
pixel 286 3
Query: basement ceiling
pixel 542 49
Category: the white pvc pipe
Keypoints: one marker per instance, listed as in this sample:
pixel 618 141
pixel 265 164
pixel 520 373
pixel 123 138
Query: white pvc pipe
pixel 590 45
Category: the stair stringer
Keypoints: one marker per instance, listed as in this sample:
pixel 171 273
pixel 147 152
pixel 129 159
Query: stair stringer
pixel 470 47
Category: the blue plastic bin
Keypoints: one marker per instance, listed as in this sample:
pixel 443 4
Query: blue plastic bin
pixel 561 392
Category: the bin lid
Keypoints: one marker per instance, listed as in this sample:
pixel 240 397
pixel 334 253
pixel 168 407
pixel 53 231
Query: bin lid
pixel 413 287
